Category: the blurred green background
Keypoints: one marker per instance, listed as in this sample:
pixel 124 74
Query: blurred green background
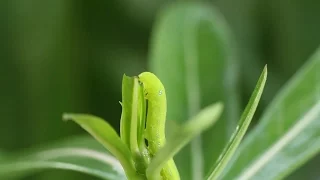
pixel 69 56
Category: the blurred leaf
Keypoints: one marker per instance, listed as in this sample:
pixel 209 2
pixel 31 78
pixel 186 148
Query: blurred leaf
pixel 202 121
pixel 143 15
pixel 309 171
pixel 192 54
pixel 241 128
pixel 288 133
pixel 82 154
pixel 171 128
pixel 47 47
pixel 45 44
pixel 3 155
pixel 107 136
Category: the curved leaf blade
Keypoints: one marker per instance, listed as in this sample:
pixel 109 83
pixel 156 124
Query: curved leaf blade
pixel 202 121
pixel 108 137
pixel 192 54
pixel 82 154
pixel 17 169
pixel 241 128
pixel 289 130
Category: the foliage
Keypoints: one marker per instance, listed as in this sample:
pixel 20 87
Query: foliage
pixel 192 52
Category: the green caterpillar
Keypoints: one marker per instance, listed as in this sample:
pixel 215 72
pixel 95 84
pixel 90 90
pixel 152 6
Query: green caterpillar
pixel 156 116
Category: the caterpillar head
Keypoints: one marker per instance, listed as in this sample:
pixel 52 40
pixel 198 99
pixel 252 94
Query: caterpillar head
pixel 152 85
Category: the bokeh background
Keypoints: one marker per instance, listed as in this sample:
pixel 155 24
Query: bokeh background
pixel 69 56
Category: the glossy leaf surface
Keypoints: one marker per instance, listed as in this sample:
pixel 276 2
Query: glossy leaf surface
pixel 288 133
pixel 82 154
pixel 241 128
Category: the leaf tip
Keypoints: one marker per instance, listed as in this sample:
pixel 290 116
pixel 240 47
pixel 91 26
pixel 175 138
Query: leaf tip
pixel 67 116
pixel 265 69
pixel 220 106
pixel 264 74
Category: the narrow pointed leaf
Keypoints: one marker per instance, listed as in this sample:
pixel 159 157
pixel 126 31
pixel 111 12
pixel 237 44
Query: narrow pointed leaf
pixel 202 121
pixel 132 119
pixel 288 133
pixel 82 154
pixel 241 128
pixel 126 104
pixel 107 136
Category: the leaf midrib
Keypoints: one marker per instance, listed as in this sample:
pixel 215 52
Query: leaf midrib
pixel 294 131
pixel 81 153
pixel 25 165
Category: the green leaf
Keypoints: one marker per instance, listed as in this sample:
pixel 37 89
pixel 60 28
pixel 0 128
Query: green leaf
pixel 3 155
pixel 108 137
pixel 132 122
pixel 192 54
pixel 310 169
pixel 130 126
pixel 126 104
pixel 82 154
pixel 288 133
pixel 241 128
pixel 202 121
